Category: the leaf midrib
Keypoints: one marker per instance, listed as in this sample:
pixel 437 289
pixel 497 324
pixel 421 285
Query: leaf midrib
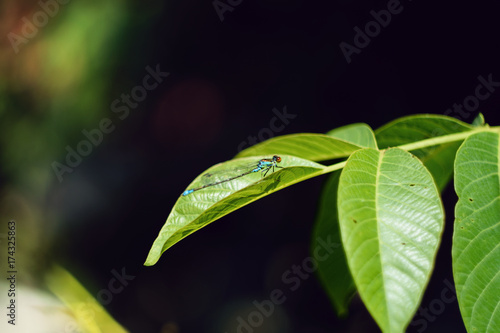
pixel 377 221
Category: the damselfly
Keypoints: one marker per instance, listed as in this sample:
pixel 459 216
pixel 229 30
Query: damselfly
pixel 263 165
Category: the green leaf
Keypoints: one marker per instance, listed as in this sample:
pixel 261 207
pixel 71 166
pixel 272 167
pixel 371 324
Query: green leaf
pixel 310 146
pixel 437 159
pixel 202 207
pixel 326 248
pixel 476 238
pixel 418 127
pixel 479 120
pixel 391 220
pixel 89 313
pixel 360 134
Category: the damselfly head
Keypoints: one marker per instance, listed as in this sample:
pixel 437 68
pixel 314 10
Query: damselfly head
pixel 276 158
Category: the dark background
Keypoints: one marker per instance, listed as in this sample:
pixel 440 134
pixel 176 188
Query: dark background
pixel 225 79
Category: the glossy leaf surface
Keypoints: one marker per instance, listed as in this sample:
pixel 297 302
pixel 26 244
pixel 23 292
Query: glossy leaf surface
pixel 391 220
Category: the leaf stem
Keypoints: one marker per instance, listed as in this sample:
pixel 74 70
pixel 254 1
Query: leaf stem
pixel 424 144
pixel 333 167
pixel 446 138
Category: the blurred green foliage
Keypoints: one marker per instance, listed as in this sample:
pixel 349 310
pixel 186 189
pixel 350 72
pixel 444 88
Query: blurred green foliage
pixel 58 81
pixel 56 86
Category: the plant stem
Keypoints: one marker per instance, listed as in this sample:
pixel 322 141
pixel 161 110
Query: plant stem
pixel 424 144
pixel 446 138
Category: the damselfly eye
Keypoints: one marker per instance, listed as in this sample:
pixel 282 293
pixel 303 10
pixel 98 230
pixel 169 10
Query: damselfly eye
pixel 277 158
